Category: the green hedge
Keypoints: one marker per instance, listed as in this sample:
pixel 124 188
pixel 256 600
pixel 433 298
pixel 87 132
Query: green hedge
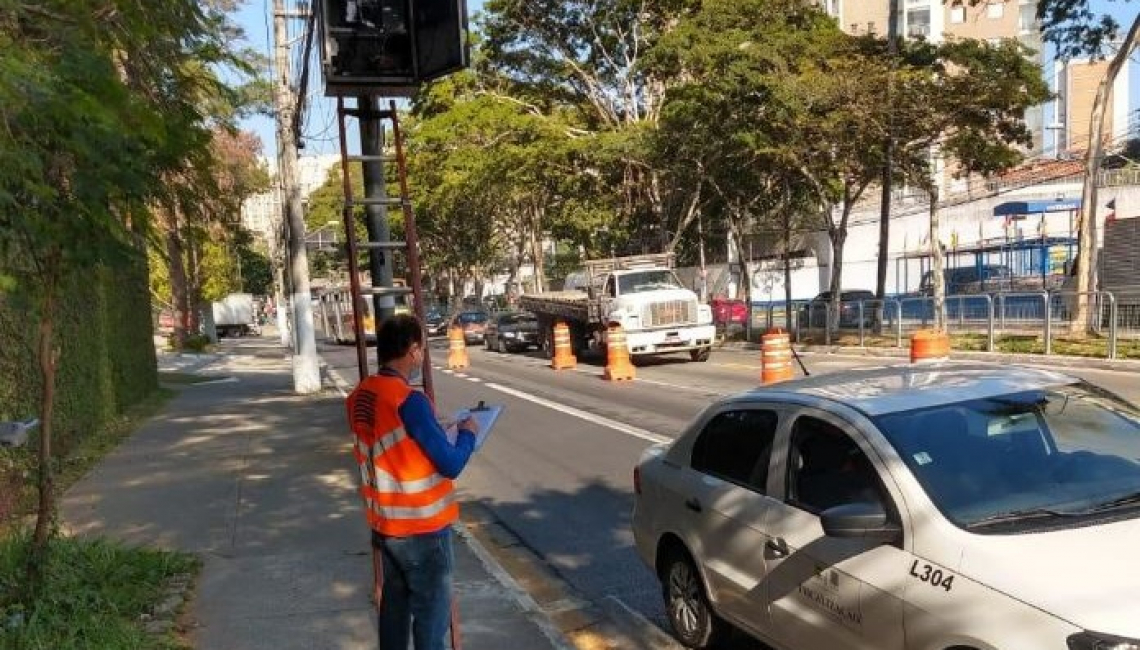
pixel 103 332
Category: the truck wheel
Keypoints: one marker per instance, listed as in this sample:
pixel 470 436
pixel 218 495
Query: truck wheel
pixel 701 354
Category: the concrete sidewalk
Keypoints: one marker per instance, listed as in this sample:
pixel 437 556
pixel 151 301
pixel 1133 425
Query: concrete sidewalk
pixel 260 483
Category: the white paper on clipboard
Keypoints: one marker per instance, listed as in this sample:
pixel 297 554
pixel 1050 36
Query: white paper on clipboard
pixel 485 415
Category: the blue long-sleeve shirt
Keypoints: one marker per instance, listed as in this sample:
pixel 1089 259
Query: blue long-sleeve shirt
pixel 421 425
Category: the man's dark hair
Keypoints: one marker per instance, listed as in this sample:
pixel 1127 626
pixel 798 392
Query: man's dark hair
pixel 396 337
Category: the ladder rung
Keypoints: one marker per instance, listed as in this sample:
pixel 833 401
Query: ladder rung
pixel 385 291
pixel 372 158
pixel 382 245
pixel 390 200
pixel 368 113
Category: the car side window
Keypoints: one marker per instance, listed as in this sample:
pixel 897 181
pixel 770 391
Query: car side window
pixel 736 446
pixel 827 468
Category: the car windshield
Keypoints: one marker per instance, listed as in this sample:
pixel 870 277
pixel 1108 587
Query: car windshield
pixel 647 281
pixel 517 319
pixel 472 317
pixel 1068 452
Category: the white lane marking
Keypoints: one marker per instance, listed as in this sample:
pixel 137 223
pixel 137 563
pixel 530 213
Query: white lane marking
pixel 461 375
pixel 691 389
pixel 583 415
pixel 474 379
pixel 448 372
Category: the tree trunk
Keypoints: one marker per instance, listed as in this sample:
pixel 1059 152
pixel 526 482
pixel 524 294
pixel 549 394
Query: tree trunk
pixel 1087 240
pixel 194 284
pixel 838 238
pixel 177 270
pixel 938 276
pixel 539 260
pixel 48 358
pixel 788 271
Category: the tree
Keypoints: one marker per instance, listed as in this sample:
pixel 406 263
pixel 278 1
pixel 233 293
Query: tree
pixel 98 106
pixel 736 118
pixel 584 61
pixel 964 105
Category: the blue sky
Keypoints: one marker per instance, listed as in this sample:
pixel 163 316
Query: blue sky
pixel 320 130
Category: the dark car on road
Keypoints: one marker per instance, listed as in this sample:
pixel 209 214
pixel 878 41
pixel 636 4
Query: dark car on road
pixel 473 324
pixel 814 314
pixel 435 322
pixel 511 331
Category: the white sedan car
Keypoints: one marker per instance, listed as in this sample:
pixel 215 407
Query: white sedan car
pixel 929 507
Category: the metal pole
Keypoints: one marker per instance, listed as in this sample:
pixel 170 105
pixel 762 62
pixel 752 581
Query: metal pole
pixel 376 214
pixel 990 321
pixel 1048 326
pixel 1113 317
pixel 306 369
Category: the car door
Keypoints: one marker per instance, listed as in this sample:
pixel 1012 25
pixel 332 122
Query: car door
pixel 826 592
pixel 725 505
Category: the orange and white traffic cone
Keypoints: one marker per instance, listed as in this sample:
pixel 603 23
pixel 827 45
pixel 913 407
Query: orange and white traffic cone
pixel 929 345
pixel 775 357
pixel 563 358
pixel 456 349
pixel 618 366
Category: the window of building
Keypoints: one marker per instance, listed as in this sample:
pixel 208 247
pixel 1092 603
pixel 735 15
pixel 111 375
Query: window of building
pixel 736 446
pixel 995 9
pixel 957 15
pixel 1027 18
pixel 918 22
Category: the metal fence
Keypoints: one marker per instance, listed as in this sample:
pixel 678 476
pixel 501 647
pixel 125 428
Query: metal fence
pixel 1047 316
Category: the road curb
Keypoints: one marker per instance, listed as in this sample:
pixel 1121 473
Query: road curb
pixel 1055 360
pixel 514 590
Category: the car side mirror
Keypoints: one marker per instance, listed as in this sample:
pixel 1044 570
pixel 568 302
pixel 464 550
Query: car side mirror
pixel 862 520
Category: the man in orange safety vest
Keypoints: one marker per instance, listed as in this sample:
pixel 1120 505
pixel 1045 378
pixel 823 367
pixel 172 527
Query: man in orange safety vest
pixel 407 464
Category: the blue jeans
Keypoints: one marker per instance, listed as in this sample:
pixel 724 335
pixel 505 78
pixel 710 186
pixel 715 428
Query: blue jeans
pixel 417 591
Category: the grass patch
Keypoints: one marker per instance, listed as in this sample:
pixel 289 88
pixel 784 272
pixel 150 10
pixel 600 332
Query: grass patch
pixel 78 459
pixel 96 594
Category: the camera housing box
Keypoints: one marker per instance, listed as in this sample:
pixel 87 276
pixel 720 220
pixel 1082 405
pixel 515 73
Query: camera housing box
pixel 390 47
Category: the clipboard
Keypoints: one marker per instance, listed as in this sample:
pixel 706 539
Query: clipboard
pixel 485 415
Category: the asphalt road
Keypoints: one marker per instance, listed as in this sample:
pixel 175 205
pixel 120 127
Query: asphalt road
pixel 558 469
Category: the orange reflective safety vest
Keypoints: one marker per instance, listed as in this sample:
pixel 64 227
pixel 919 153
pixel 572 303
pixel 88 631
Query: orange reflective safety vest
pixel 403 493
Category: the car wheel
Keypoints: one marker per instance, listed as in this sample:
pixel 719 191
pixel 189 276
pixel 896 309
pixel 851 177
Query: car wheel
pixel 687 606
pixel 701 354
pixel 502 346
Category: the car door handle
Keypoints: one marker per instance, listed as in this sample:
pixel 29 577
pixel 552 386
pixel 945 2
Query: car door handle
pixel 778 547
pixel 693 504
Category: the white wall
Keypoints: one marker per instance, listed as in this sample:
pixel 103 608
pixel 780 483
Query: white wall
pixel 910 232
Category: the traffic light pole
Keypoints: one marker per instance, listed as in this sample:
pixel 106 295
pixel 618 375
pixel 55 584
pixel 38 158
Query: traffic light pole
pixel 376 221
pixel 306 368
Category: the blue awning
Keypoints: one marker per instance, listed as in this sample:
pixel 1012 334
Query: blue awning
pixel 1015 208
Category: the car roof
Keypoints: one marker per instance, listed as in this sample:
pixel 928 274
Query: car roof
pixel 882 390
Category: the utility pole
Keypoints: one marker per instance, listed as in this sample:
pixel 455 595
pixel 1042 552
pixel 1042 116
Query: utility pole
pixel 375 190
pixel 888 155
pixel 306 370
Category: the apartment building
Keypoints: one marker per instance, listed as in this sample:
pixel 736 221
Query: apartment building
pixel 1060 128
pixel 261 211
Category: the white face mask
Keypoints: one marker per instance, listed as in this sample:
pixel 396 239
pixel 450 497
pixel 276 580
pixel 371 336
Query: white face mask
pixel 415 375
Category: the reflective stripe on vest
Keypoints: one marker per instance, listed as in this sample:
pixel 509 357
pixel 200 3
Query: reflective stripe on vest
pixel 403 492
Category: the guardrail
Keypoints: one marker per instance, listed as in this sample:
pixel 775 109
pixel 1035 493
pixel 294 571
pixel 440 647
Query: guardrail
pixel 1044 315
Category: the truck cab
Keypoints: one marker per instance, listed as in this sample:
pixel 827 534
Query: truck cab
pixel 659 315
